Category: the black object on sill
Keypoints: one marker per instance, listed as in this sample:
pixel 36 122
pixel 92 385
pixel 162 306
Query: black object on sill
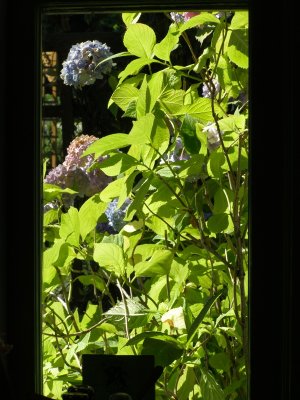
pixel 120 377
pixel 80 392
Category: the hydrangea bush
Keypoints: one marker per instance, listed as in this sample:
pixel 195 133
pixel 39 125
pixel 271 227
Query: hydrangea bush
pixel 162 239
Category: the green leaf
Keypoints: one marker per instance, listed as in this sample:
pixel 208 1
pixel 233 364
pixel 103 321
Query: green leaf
pixel 220 361
pixel 70 227
pixel 163 49
pixel 186 382
pixel 130 18
pixel 130 111
pixel 50 216
pixel 124 95
pixel 218 222
pixel 200 108
pixel 188 134
pixel 117 164
pixel 89 213
pixel 210 388
pixel 139 39
pixel 222 199
pixel 164 352
pixel 135 66
pixel 143 100
pixel 233 123
pixel 196 323
pixel 141 131
pixel 107 144
pixel 138 200
pixel 61 254
pixel 238 48
pixel 110 256
pixel 127 187
pixel 159 264
pixel 156 88
pixel 52 192
pixel 152 334
pixel 206 55
pixel 216 165
pixel 112 190
pixel 200 19
pixel 171 101
pixel 239 20
pixel 160 134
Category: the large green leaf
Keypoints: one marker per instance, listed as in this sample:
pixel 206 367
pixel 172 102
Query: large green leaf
pixel 222 200
pixel 135 66
pixel 107 144
pixel 164 352
pixel 163 49
pixel 139 39
pixel 188 134
pixel 202 18
pixel 60 255
pixel 210 388
pixel 110 256
pixel 220 361
pixel 196 323
pixel 70 227
pixel 141 131
pixel 143 100
pixel 240 20
pixel 200 108
pixel 89 213
pixel 156 88
pixel 218 223
pixel 159 264
pixel 237 49
pixel 130 18
pixel 138 200
pixel 112 190
pixel 117 164
pixel 124 95
pixel 171 101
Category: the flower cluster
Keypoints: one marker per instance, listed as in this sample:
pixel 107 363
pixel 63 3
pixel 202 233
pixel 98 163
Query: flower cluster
pixel 116 215
pixel 74 172
pixel 213 138
pixel 182 17
pixel 81 67
pixel 177 154
pixel 211 89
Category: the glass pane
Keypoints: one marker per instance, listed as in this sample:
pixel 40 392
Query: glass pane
pixel 145 246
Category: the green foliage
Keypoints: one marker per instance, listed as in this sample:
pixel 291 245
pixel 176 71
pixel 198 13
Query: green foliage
pixel 172 281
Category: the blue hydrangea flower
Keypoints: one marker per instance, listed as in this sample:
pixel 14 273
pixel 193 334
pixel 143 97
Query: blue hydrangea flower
pixel 177 154
pixel 116 215
pixel 207 89
pixel 177 17
pixel 81 67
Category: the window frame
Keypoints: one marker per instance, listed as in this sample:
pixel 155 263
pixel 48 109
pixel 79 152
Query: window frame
pixel 272 276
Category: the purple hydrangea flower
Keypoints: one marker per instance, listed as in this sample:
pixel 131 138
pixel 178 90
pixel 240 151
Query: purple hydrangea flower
pixel 74 172
pixel 81 66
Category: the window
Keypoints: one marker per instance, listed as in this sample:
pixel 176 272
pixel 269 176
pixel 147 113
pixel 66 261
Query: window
pixel 21 276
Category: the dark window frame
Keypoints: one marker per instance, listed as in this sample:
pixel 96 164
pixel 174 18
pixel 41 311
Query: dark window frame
pixel 272 277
